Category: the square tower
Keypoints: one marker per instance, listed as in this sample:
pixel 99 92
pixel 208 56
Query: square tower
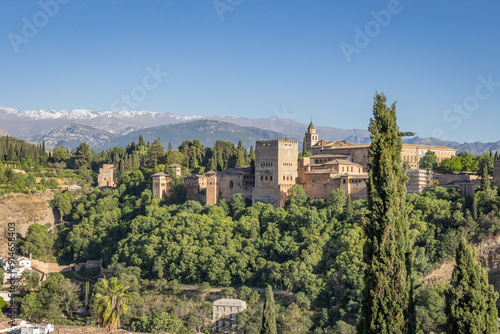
pixel 311 136
pixel 275 170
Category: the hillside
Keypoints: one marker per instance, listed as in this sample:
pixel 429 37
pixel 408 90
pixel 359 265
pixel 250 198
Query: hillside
pixel 24 210
pixel 206 131
pixel 73 134
pixel 488 251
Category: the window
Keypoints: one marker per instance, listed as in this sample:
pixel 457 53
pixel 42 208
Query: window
pixel 265 177
pixel 283 177
pixel 231 184
pixel 271 177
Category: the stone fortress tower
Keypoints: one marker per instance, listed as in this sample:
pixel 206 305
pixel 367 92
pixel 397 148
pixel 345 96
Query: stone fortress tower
pixel 311 136
pixel 275 170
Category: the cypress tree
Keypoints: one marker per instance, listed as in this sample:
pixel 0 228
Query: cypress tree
pixel 348 206
pixel 251 154
pixel 474 207
pixel 485 179
pixel 386 296
pixel 269 314
pixel 304 147
pixel 470 300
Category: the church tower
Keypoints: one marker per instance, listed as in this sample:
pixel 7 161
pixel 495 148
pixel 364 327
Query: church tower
pixel 311 136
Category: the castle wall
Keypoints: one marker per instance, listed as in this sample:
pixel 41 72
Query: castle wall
pixel 230 184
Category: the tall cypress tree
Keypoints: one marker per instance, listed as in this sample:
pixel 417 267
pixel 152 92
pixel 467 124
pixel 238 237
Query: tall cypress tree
pixel 269 314
pixel 485 179
pixel 387 253
pixel 348 206
pixel 470 300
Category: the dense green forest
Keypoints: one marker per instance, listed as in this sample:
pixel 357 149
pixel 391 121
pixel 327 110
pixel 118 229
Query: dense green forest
pixel 313 248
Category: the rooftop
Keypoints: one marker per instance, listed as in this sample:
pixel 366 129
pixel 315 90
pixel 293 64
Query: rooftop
pixel 230 302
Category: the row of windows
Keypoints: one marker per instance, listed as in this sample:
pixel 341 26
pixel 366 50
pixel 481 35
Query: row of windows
pixel 266 164
pixel 287 178
pixel 289 164
pixel 262 178
pixel 226 309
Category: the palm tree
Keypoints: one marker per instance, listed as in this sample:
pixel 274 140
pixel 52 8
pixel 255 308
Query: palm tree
pixel 111 302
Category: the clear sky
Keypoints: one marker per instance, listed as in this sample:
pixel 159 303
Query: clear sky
pixel 440 60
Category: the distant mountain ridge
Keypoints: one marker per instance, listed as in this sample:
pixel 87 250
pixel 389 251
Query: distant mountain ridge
pixel 100 129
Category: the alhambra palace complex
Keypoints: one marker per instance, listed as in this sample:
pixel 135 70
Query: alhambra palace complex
pixel 333 165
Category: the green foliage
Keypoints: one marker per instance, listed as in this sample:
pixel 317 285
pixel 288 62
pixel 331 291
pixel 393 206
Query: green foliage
pixel 296 195
pixel 341 327
pixel 429 302
pixel 485 180
pixel 83 156
pixel 269 314
pixel 470 300
pixel 429 160
pixel 176 190
pixel 3 303
pixel 110 301
pixel 56 299
pixel 38 243
pixel 386 296
pixel 166 322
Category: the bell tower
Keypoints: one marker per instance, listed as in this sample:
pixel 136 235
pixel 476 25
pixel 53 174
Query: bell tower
pixel 311 136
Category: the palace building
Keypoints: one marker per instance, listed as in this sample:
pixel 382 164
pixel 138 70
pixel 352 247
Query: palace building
pixel 410 154
pixel 277 167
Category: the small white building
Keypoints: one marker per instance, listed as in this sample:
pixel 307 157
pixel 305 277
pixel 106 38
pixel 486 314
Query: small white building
pixel 37 329
pixel 5 295
pixel 225 312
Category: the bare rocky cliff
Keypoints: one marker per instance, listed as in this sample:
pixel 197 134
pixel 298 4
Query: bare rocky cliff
pixel 24 210
pixel 488 251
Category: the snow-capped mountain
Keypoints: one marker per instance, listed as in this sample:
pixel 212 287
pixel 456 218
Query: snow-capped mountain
pixel 51 125
pixel 84 114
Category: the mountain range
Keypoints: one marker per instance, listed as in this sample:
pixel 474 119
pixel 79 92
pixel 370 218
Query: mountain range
pixel 105 129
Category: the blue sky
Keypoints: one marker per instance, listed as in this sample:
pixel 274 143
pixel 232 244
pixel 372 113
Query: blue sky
pixel 440 60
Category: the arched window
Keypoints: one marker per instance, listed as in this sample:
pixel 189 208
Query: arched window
pixel 231 184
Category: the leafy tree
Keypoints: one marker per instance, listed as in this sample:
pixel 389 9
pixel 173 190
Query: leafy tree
pixel 166 322
pixel 31 279
pixel 111 299
pixel 386 296
pixel 336 201
pixel 269 313
pixel 3 303
pixel 429 160
pixel 341 327
pixel 470 301
pixel 296 195
pixel 61 153
pixel 31 307
pixel 83 156
pixel 176 191
pixel 38 242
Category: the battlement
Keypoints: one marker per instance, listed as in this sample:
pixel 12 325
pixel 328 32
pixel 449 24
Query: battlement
pixel 275 141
